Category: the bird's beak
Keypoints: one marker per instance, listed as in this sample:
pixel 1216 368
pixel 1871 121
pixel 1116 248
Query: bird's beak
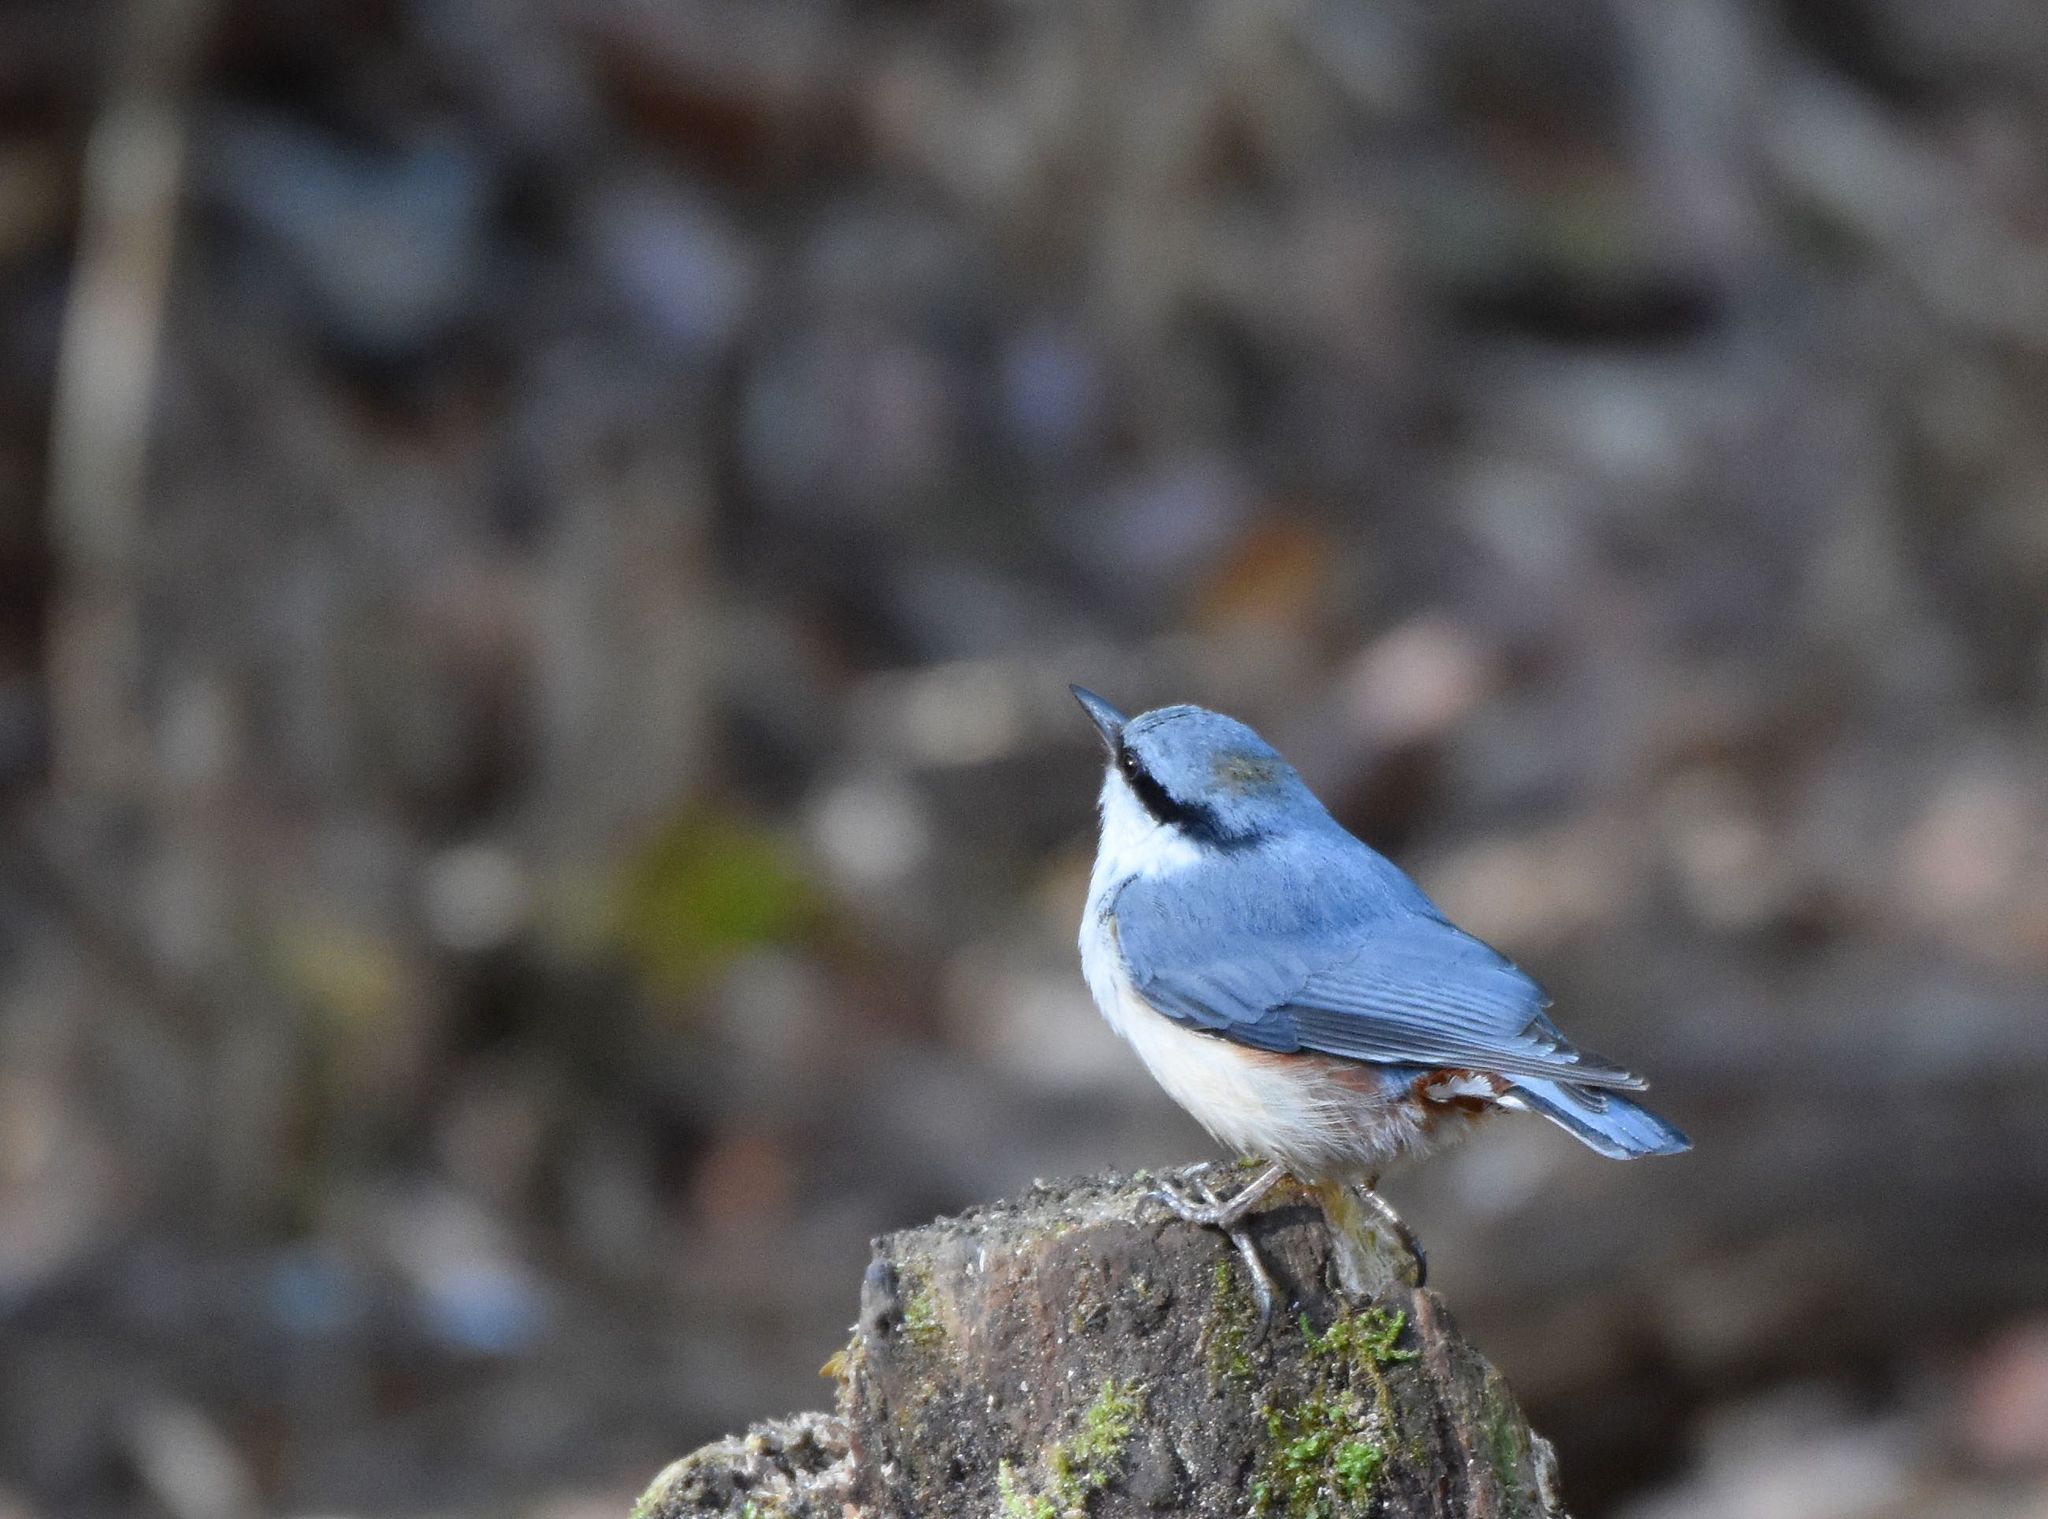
pixel 1108 721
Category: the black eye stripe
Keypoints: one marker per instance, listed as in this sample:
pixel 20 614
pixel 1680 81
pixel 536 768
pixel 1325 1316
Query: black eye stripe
pixel 1157 800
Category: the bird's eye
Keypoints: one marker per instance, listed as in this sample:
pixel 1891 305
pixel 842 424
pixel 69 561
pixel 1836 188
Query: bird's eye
pixel 1139 778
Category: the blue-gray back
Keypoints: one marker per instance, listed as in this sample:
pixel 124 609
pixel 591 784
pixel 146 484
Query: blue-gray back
pixel 1309 939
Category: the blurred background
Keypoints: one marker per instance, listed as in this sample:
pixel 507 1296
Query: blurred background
pixel 541 546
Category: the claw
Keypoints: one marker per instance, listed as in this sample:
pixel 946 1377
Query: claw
pixel 1402 1232
pixel 1263 1292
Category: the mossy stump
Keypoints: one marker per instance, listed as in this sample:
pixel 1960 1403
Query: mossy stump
pixel 1080 1351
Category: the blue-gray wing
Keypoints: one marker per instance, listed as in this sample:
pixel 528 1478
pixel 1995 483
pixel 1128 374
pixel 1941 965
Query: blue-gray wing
pixel 1324 949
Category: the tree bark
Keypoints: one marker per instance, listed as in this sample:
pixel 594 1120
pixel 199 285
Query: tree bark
pixel 1081 1351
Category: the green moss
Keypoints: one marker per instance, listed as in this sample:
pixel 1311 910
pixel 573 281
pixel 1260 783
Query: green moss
pixel 1357 1465
pixel 1017 1503
pixel 1507 1446
pixel 1327 1449
pixel 1083 1464
pixel 1090 1458
pixel 1323 1460
pixel 1365 1345
pixel 921 1325
pixel 1368 1339
pixel 1233 1318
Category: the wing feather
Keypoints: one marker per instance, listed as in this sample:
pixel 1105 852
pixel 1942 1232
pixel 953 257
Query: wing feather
pixel 1263 949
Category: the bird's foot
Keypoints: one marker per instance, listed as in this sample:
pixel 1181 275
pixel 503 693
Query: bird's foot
pixel 1198 1203
pixel 1417 1272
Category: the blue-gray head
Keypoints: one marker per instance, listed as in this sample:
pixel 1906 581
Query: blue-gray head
pixel 1205 774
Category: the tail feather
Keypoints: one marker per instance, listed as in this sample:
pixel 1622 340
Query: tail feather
pixel 1603 1120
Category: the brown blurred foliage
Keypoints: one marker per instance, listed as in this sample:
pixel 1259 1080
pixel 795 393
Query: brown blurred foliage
pixel 540 549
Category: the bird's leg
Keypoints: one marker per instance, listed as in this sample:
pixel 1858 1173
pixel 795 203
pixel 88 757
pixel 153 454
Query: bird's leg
pixel 1363 1270
pixel 1360 1270
pixel 1212 1212
pixel 1369 1191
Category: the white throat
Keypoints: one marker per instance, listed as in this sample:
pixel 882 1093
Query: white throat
pixel 1134 843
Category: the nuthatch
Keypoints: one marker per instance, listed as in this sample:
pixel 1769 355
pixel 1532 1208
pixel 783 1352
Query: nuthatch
pixel 1299 995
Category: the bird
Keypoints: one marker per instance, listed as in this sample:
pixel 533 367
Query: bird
pixel 1301 997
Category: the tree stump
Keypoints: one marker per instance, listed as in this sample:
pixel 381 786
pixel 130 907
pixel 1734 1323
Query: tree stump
pixel 1082 1351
